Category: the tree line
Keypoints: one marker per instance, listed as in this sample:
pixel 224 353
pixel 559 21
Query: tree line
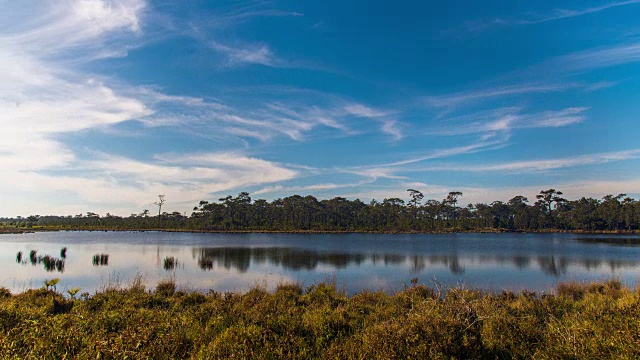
pixel 306 213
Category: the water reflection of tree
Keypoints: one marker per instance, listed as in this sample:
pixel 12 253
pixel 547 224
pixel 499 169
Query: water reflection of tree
pixel 522 262
pixel 292 259
pixel 100 260
pixel 450 261
pixel 616 241
pixel 170 263
pixel 241 258
pixel 553 267
pixel 388 259
pixel 50 263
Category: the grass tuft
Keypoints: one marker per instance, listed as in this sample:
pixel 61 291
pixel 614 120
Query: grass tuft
pixel 166 287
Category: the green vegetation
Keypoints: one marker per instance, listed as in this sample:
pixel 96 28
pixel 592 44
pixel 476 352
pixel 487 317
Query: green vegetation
pixel 550 212
pixel 582 321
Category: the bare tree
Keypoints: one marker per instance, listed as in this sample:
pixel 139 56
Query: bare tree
pixel 159 204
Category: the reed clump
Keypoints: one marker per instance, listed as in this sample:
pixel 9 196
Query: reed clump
pixel 595 320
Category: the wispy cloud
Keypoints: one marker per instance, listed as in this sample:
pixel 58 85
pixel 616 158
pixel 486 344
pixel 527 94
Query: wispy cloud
pixel 476 194
pixel 530 166
pixel 559 14
pixel 80 25
pixel 391 127
pixel 597 58
pixel 42 98
pixel 393 170
pixel 264 119
pixel 449 152
pixel 388 126
pixel 248 14
pixel 601 85
pixel 539 18
pixel 240 12
pixel 238 52
pixel 295 189
pixel 248 54
pixel 483 94
pixel 185 179
pixel 241 53
pixel 508 119
pixel 289 190
pixel 361 110
pixel 374 172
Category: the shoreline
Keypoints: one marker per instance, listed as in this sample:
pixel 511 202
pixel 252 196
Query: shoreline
pixel 393 232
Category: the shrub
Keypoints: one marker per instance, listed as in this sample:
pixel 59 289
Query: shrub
pixel 4 293
pixel 166 287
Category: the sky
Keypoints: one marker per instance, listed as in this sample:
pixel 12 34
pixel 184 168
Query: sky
pixel 106 104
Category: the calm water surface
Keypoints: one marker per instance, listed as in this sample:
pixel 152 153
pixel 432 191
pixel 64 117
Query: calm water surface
pixel 236 262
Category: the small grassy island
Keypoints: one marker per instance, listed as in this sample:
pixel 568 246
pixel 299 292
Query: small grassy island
pixel 579 321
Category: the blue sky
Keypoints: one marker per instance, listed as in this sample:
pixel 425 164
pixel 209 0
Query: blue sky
pixel 104 104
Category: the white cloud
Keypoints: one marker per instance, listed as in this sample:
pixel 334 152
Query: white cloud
pixel 297 120
pixel 109 15
pixel 598 58
pixel 454 151
pixel 363 111
pixel 246 133
pixel 550 72
pixel 553 15
pixel 473 96
pixel 543 165
pixel 391 127
pixel 392 169
pixel 558 14
pixel 490 124
pixel 248 54
pixel 120 185
pixel 56 26
pixel 374 172
pixel 41 97
pixel 239 53
pixel 294 189
pixel 290 190
pixel 262 13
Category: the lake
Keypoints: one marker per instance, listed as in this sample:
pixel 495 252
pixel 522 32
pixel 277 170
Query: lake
pixel 355 262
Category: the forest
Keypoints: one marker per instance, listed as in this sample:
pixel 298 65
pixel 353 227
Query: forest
pixel 549 212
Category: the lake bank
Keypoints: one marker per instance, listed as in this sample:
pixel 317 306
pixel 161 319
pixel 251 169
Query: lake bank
pixel 596 320
pixel 441 231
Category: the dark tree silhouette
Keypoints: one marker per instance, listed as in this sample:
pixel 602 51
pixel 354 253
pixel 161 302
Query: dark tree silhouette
pixel 159 204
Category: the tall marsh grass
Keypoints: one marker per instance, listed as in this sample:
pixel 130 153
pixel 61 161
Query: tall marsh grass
pixel 580 321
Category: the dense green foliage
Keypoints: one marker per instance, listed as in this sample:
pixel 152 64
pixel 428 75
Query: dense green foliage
pixel 583 321
pixel 297 213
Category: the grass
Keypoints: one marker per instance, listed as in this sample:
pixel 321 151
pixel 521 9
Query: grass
pixel 597 320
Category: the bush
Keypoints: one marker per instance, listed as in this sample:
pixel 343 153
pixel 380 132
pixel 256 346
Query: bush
pixel 4 293
pixel 166 287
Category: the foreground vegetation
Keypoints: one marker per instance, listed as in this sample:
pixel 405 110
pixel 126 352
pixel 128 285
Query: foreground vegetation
pixel 581 321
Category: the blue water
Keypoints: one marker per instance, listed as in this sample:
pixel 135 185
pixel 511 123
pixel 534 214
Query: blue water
pixel 355 262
